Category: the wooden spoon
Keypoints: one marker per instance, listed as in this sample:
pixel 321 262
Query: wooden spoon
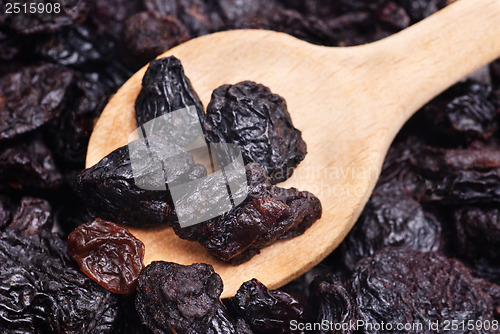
pixel 349 103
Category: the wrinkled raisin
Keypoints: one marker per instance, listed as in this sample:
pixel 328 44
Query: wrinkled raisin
pixel 268 213
pixel 249 115
pixel 31 97
pixel 107 253
pixel 183 299
pixel 266 311
pixel 403 286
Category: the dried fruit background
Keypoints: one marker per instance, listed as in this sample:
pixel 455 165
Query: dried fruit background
pixel 433 217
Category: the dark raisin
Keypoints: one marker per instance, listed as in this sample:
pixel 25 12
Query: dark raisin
pixel 107 253
pixel 183 299
pixel 403 286
pixel 268 213
pixel 199 16
pixel 28 165
pixel 266 311
pixel 146 35
pixel 334 304
pixel 43 291
pixel 420 9
pixel 249 115
pixel 291 22
pixel 109 15
pixel 111 191
pixel 462 113
pixel 31 97
pixel 165 89
pixel 32 216
pixel 391 219
pixel 461 176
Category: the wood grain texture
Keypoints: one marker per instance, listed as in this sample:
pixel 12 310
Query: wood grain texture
pixel 348 102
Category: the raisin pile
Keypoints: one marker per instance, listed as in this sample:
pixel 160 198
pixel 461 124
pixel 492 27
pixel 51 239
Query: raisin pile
pixel 266 212
pixel 425 250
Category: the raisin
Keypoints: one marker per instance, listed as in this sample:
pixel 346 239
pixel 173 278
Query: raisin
pixel 436 161
pixel 200 17
pixel 28 165
pixel 266 311
pixel 146 35
pixel 183 299
pixel 31 97
pixel 32 216
pixel 110 191
pixel 48 20
pixel 109 15
pixel 107 253
pixel 477 233
pixel 268 213
pixel 404 286
pixel 391 219
pixel 79 47
pixel 288 21
pixel 333 303
pixel 249 115
pixel 165 89
pixel 461 176
pixel 462 114
pixel 44 292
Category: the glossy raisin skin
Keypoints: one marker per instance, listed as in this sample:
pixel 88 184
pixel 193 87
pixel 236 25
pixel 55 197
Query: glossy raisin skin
pixel 333 303
pixel 268 213
pixel 266 311
pixel 249 115
pixel 183 299
pixel 23 107
pixel 79 47
pixel 110 191
pixel 43 291
pixel 109 254
pixel 406 286
pixel 165 89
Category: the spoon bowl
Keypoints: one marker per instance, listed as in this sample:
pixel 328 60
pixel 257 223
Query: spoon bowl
pixel 349 104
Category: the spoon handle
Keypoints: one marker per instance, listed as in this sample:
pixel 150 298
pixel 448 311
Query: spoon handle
pixel 423 60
